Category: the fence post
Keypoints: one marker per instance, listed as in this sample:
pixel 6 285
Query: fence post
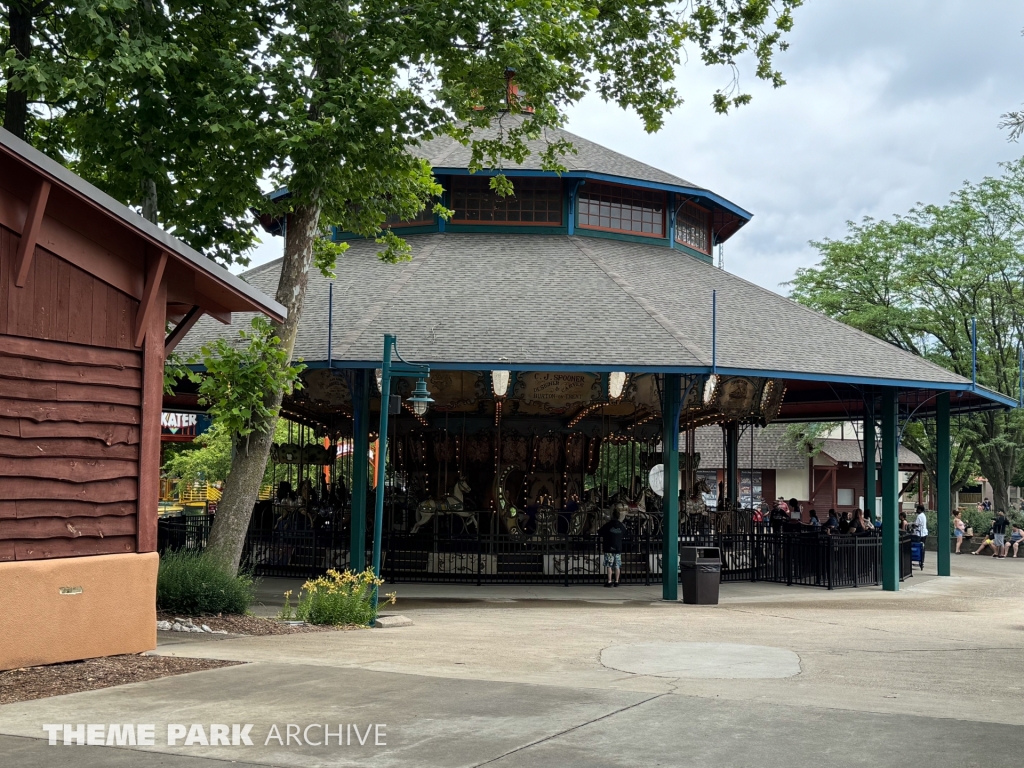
pixel 830 560
pixel 856 561
pixel 787 558
pixel 647 560
pixel 479 555
pixel 565 557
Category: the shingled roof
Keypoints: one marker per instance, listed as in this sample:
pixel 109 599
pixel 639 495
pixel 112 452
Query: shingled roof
pixel 445 152
pixel 557 302
pixel 852 452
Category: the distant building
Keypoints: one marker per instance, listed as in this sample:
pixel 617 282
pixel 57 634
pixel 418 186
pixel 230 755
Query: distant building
pixel 774 466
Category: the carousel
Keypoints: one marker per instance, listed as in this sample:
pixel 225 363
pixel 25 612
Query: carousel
pixel 576 334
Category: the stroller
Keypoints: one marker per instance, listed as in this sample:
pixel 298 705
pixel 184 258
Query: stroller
pixel 917 553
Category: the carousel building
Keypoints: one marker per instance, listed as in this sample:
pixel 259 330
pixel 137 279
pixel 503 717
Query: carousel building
pixel 577 335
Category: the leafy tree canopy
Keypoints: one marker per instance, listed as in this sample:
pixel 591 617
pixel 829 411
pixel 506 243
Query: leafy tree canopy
pixel 919 281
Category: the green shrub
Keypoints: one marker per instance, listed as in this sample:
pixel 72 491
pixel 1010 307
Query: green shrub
pixel 192 583
pixel 979 521
pixel 337 599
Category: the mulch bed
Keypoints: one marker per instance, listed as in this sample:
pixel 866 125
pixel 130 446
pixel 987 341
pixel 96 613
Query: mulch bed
pixel 74 676
pixel 246 625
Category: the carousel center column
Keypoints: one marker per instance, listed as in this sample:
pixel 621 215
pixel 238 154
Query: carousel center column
pixel 670 521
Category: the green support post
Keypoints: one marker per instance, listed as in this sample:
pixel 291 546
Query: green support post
pixel 870 458
pixel 890 494
pixel 942 472
pixel 390 368
pixel 732 463
pixel 670 519
pixel 382 455
pixel 360 468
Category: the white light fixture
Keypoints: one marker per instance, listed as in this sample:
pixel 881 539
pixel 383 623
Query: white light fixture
pixel 379 373
pixel 710 389
pixel 617 384
pixel 499 382
pixel 420 398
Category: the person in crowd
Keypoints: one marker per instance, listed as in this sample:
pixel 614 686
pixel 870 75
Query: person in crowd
pixel 612 534
pixel 844 523
pixel 981 507
pixel 832 523
pixel 779 516
pixel 904 525
pixel 859 524
pixel 958 531
pixel 815 522
pixel 920 530
pixel 988 542
pixel 986 505
pixel 1016 537
pixel 999 526
pixel 794 510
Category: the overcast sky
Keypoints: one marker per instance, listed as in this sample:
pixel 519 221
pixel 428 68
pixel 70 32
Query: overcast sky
pixel 887 104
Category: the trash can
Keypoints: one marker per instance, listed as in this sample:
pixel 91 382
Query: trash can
pixel 701 571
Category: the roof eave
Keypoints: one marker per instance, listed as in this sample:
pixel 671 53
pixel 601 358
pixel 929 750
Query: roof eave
pixel 251 299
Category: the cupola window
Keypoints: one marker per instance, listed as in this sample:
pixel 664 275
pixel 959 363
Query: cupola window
pixel 536 201
pixel 622 209
pixel 693 227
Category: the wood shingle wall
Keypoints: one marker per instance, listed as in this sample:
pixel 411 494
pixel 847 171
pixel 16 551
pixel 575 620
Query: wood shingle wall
pixel 70 412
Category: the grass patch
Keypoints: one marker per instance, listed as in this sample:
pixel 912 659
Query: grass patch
pixel 192 583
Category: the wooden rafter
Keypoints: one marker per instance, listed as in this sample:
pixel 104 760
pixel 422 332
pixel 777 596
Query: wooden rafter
pixel 30 232
pixel 178 333
pixel 147 306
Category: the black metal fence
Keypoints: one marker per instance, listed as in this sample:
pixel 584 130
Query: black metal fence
pixel 808 559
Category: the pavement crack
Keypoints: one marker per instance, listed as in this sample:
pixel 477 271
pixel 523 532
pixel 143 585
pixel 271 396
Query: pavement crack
pixel 570 730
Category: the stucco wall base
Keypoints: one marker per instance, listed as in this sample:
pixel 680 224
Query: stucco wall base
pixel 115 611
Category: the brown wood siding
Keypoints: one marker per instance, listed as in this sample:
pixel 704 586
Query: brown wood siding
pixel 70 415
pixel 47 549
pixel 61 302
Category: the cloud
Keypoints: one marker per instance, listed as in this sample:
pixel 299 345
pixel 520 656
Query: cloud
pixel 887 104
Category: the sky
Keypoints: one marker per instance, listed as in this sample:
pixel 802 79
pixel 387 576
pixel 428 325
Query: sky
pixel 887 104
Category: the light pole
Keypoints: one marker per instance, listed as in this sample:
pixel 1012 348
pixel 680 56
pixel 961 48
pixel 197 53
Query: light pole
pixel 420 401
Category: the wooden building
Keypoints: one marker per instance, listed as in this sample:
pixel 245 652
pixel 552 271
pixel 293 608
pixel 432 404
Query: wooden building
pixel 87 292
pixel 775 467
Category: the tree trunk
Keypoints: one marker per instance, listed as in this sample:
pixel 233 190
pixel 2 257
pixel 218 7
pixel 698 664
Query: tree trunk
pixel 241 489
pixel 149 201
pixel 19 19
pixel 996 455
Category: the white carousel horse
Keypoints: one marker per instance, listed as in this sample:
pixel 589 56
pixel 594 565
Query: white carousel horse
pixel 453 505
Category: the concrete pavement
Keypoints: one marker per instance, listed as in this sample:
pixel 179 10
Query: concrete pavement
pixel 925 677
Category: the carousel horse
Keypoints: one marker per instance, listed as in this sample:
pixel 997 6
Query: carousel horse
pixel 649 513
pixel 452 505
pixel 695 500
pixel 582 518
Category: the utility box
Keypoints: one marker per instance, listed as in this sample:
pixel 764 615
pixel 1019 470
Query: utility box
pixel 701 572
